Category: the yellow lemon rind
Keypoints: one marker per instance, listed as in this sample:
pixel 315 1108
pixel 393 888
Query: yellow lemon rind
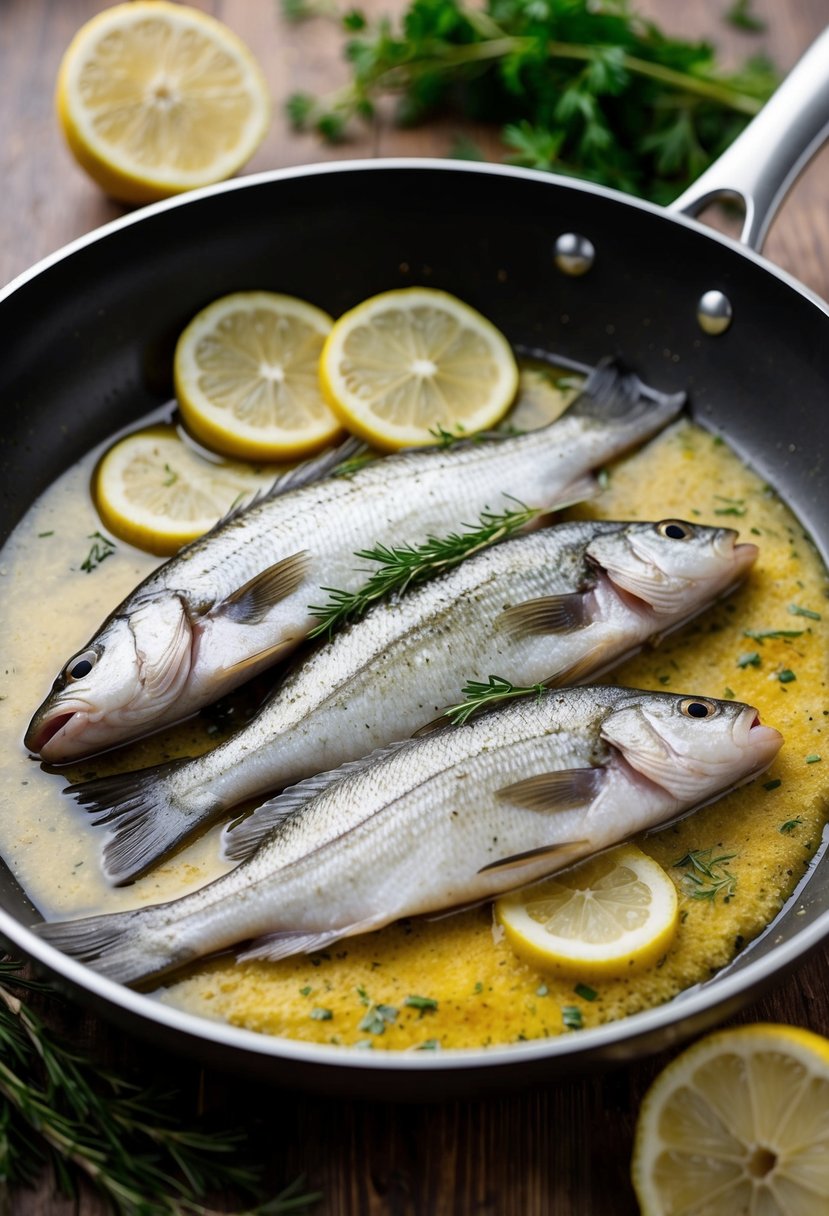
pixel 379 432
pixel 156 534
pixel 116 174
pixel 633 953
pixel 209 424
pixel 807 1048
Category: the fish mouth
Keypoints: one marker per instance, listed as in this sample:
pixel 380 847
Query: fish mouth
pixel 745 554
pixel 44 731
pixel 763 740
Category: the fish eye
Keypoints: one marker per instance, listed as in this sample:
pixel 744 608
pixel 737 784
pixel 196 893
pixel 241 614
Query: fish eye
pixel 81 665
pixel 675 529
pixel 698 707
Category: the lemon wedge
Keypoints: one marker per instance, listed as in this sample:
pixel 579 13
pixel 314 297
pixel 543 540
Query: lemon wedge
pixel 738 1123
pixel 247 377
pixel 405 365
pixel 157 98
pixel 609 915
pixel 155 492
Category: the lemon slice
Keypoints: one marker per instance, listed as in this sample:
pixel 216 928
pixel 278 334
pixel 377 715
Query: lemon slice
pixel 403 366
pixel 739 1123
pixel 157 493
pixel 612 914
pixel 247 377
pixel 156 98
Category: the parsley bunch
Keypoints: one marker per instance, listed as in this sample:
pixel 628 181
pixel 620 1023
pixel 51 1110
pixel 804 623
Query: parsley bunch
pixel 577 87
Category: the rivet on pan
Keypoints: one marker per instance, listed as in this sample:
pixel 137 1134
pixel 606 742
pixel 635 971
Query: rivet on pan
pixel 574 254
pixel 714 312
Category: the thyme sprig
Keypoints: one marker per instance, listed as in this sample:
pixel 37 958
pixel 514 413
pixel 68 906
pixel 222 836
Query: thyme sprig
pixel 577 87
pixel 399 566
pixel 60 1110
pixel 706 875
pixel 478 695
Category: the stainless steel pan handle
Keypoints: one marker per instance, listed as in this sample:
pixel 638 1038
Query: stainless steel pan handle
pixel 763 162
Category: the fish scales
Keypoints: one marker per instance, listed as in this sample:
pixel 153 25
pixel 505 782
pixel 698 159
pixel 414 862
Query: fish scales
pixel 456 817
pixel 239 599
pixel 397 669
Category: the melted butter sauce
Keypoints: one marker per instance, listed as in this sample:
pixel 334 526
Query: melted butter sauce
pixel 484 993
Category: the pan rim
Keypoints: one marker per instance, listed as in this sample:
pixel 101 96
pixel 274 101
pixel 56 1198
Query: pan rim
pixel 321 168
pixel 616 1037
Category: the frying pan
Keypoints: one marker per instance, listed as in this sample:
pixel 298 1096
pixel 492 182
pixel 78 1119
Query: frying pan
pixel 90 333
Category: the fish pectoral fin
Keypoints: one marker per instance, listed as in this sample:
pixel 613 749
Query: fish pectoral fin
pixel 559 791
pixel 582 489
pixel 274 946
pixel 533 855
pixel 597 660
pixel 262 658
pixel 251 603
pixel 284 943
pixel 548 614
pixel 241 839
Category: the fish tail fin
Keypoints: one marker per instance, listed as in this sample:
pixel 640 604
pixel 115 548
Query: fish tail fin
pixel 147 816
pixel 120 945
pixel 614 393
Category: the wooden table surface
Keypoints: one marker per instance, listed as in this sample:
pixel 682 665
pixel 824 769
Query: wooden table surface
pixel 562 1149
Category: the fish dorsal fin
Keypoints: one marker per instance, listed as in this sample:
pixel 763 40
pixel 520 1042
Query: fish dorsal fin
pixel 241 840
pixel 547 614
pixel 251 603
pixel 560 791
pixel 302 474
pixel 533 855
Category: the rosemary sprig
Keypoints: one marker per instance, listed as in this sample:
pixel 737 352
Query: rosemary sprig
pixel 401 565
pixel 60 1110
pixel 477 695
pixel 707 876
pixel 102 547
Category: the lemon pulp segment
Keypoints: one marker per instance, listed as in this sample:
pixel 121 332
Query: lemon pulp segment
pixel 246 372
pixel 406 365
pixel 155 492
pixel 608 915
pixel 156 98
pixel 738 1123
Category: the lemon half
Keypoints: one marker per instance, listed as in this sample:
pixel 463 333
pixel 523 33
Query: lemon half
pixel 606 916
pixel 405 365
pixel 739 1123
pixel 246 373
pixel 154 491
pixel 156 98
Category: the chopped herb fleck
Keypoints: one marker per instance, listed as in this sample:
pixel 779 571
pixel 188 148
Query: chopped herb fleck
pixel 377 1017
pixel 814 758
pixel 664 679
pixel 365 999
pixel 571 1016
pixel 707 876
pixel 790 825
pixel 774 784
pixel 478 988
pixel 423 1003
pixel 786 676
pixel 750 659
pixel 729 693
pixel 760 635
pixel 306 991
pixel 321 1015
pixel 41 535
pixel 101 549
pixel 741 16
pixel 172 476
pixel 796 610
pixel 542 990
pixel 585 992
pixel 428 1045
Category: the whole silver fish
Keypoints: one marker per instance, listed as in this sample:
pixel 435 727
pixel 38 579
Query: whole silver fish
pixel 443 821
pixel 237 599
pixel 553 606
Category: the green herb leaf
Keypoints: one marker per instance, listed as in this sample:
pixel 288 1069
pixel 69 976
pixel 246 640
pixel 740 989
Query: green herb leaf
pixel 750 659
pixel 774 784
pixel 786 676
pixel 790 825
pixel 377 1017
pixel 321 1015
pixel 571 1017
pixel 761 635
pixel 423 1003
pixel 741 16
pixel 478 695
pixel 796 610
pixel 707 876
pixel 814 758
pixel 101 549
pixel 585 992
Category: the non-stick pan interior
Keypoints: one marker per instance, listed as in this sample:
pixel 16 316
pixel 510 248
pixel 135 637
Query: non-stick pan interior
pixel 89 337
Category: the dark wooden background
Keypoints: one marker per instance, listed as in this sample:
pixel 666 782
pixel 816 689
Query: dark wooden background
pixel 561 1149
